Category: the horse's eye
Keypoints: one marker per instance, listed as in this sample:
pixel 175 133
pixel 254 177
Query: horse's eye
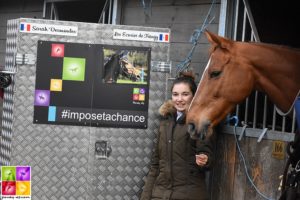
pixel 215 74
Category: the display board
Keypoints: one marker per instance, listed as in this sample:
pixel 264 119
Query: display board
pixel 92 85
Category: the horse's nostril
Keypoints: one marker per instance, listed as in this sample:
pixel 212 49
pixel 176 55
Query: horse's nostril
pixel 191 127
pixel 206 126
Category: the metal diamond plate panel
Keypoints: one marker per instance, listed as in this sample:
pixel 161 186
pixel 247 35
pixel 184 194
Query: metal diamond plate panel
pixel 7 115
pixel 63 160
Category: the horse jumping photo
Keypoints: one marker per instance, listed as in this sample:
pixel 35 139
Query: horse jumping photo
pixel 119 69
pixel 233 71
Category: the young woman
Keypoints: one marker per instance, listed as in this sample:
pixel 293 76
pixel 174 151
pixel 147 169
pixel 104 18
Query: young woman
pixel 178 163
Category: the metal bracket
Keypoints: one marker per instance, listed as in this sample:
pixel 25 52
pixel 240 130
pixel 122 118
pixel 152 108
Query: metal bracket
pixel 243 132
pixel 262 134
pixel 8 72
pixel 25 59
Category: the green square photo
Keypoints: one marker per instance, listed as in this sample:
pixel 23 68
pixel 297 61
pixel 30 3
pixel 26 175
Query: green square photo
pixel 73 69
pixel 136 90
pixel 8 173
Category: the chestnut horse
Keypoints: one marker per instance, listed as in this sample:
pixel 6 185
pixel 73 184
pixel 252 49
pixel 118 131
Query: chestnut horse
pixel 234 70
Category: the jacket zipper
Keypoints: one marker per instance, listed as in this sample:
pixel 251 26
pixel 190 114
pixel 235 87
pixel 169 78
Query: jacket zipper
pixel 171 158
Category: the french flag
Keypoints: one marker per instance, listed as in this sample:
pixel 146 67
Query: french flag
pixel 164 37
pixel 25 27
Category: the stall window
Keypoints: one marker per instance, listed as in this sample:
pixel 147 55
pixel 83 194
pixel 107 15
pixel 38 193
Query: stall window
pixel 93 11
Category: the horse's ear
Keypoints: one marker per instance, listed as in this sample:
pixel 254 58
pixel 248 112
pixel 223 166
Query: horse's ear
pixel 218 41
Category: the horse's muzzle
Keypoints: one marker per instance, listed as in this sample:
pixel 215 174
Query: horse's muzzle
pixel 201 134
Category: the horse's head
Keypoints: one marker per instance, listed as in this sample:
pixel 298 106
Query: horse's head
pixel 111 69
pixel 226 81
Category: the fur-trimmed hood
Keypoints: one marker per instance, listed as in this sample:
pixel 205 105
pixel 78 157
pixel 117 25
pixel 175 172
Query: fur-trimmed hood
pixel 167 108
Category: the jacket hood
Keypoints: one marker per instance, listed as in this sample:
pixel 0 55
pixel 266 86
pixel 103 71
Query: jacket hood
pixel 167 109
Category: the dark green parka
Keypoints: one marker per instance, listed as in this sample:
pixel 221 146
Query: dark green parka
pixel 174 173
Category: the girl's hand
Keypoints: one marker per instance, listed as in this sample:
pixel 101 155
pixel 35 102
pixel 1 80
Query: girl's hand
pixel 201 159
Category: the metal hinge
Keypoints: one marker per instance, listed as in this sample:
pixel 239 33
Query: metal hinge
pixel 160 66
pixel 25 59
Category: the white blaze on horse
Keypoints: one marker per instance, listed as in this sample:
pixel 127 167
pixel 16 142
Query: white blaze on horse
pixel 234 70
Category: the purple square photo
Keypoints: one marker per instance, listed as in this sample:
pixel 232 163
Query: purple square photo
pixel 23 173
pixel 42 98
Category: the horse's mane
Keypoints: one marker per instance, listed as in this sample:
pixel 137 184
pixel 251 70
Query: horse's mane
pixel 262 44
pixel 276 46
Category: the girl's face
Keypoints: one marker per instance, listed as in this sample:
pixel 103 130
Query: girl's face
pixel 181 96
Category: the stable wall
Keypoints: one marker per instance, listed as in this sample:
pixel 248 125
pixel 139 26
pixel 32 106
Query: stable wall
pixel 14 9
pixel 183 18
pixel 229 179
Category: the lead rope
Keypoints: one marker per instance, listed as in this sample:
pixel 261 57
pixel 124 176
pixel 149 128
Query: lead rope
pixel 147 7
pixel 243 158
pixel 291 108
pixel 194 40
